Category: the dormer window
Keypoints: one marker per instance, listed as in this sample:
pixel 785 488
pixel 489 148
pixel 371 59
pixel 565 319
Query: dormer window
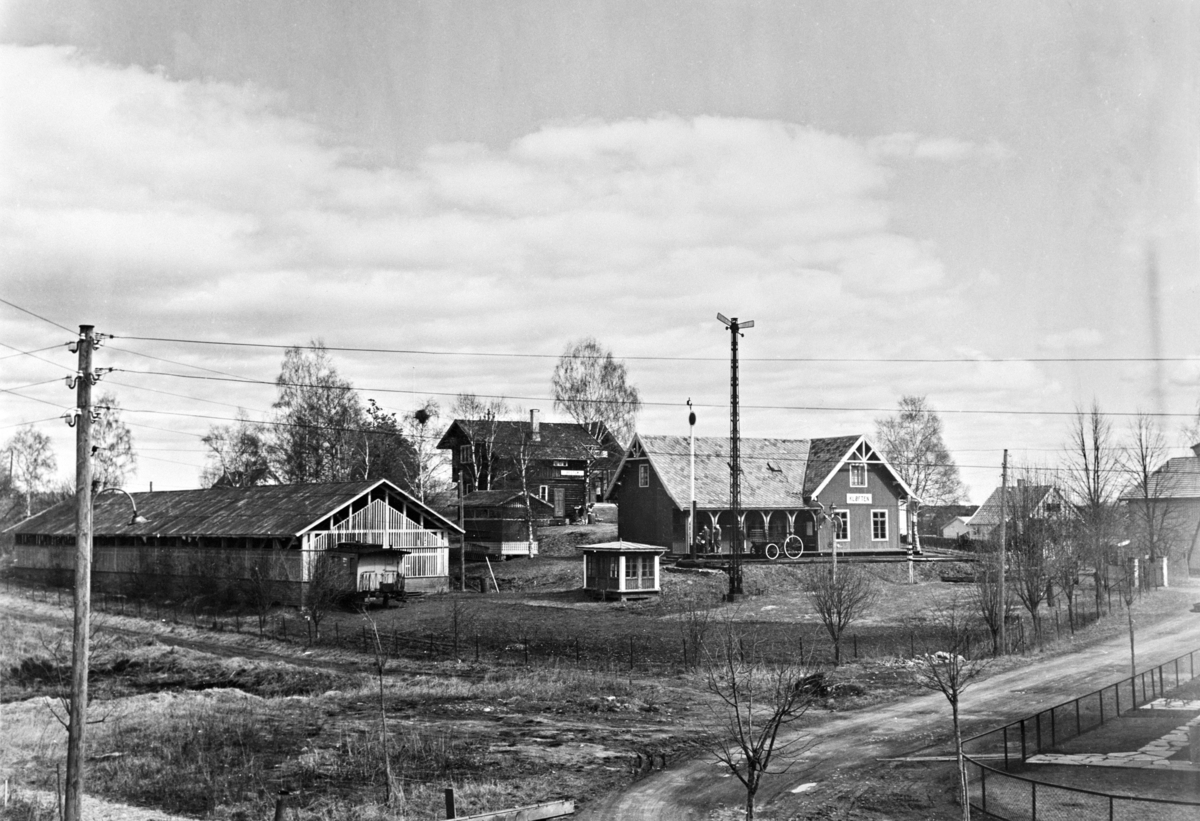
pixel 858 474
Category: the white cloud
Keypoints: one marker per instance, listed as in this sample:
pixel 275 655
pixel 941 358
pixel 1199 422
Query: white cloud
pixel 170 208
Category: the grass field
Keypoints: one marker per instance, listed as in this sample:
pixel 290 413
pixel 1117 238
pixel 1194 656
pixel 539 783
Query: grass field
pixel 570 698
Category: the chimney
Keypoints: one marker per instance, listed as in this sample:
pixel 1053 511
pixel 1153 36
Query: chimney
pixel 535 426
pixel 1196 448
pixel 1020 484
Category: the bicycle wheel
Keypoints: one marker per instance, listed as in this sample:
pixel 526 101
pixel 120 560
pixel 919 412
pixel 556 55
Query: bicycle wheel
pixel 771 551
pixel 793 547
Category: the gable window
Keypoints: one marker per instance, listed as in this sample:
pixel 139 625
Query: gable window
pixel 858 474
pixel 879 525
pixel 841 525
pixel 464 454
pixel 643 476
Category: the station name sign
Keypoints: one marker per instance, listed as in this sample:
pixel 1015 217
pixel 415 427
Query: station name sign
pixel 858 498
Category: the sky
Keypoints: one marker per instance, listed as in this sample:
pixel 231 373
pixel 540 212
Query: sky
pixel 994 205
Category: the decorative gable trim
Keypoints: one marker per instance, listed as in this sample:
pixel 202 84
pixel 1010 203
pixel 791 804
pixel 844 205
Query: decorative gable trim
pixel 864 451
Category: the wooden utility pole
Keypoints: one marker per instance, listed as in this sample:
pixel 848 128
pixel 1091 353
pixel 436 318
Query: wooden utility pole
pixel 1003 553
pixel 462 539
pixel 83 576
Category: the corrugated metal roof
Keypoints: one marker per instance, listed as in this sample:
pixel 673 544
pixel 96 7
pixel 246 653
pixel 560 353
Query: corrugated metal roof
pixel 265 511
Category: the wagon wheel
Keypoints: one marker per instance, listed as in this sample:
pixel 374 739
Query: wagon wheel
pixel 793 547
pixel 771 551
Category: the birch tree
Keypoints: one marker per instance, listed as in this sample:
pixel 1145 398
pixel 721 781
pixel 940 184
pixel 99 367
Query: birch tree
pixel 113 457
pixel 237 454
pixel 33 462
pixel 912 442
pixel 592 388
pixel 1155 523
pixel 1091 479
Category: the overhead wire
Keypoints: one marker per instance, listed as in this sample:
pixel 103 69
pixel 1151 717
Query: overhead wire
pixel 637 358
pixel 72 331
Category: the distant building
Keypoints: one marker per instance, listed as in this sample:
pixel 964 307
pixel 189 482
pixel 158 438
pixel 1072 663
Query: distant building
pixel 1174 493
pixel 559 462
pixel 955 527
pixel 229 533
pixel 829 493
pixel 1030 501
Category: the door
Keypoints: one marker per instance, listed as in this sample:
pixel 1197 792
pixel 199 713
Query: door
pixel 560 502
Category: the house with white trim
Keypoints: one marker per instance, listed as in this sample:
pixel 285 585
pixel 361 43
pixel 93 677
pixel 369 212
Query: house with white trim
pixel 228 534
pixel 831 493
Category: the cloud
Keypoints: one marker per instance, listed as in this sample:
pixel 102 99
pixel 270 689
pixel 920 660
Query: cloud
pixel 906 145
pixel 166 208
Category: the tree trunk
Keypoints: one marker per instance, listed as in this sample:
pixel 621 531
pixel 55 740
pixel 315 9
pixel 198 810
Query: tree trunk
pixel 1132 654
pixel 964 797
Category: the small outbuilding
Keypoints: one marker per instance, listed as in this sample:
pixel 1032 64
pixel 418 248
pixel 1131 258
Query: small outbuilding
pixel 621 570
pixel 504 523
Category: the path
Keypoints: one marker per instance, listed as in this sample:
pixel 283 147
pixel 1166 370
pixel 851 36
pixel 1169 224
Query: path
pixel 693 789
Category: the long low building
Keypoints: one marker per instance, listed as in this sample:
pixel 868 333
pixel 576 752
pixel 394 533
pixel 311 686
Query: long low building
pixel 221 537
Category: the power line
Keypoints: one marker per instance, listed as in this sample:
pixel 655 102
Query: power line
pixel 39 316
pixel 20 352
pixel 814 408
pixel 810 359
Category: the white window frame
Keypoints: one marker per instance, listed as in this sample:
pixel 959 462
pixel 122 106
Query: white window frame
pixel 878 516
pixel 842 516
pixel 543 493
pixel 643 476
pixel 859 468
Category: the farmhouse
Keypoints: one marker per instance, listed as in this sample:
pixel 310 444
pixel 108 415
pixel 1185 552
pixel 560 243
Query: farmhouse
pixel 1171 501
pixel 561 462
pixel 1026 501
pixel 226 536
pixel 835 493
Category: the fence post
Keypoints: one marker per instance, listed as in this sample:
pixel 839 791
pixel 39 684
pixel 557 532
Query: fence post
pixel 1161 688
pixel 631 653
pixel 1024 755
pixel 855 637
pixel 476 647
pixel 1033 801
pixel 1078 729
pixel 1053 733
pixel 1005 746
pixel 1117 692
pixel 983 785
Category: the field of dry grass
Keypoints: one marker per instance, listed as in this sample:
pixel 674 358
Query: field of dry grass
pixel 214 724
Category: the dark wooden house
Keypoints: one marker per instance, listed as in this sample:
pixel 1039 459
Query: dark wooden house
pixel 818 495
pixel 220 537
pixel 497 522
pixel 559 462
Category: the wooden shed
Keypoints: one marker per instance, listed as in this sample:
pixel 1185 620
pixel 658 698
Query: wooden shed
pixel 621 570
pixel 497 522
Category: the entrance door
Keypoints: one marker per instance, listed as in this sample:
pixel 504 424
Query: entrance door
pixel 560 502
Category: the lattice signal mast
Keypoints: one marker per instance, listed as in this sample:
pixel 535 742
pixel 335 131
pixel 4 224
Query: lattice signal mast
pixel 735 467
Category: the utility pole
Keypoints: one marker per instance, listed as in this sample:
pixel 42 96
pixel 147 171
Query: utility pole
pixel 462 540
pixel 735 467
pixel 82 419
pixel 1004 553
pixel 691 529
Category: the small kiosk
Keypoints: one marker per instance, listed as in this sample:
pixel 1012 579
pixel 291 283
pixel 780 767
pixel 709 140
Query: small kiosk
pixel 621 570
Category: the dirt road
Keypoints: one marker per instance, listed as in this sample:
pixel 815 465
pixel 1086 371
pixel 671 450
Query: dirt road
pixel 841 743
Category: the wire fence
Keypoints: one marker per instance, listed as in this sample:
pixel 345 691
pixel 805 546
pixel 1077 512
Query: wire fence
pixel 1003 783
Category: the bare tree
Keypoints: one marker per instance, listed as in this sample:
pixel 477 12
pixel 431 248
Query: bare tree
pixel 1155 522
pixel 840 596
pixel 593 389
pixel 429 462
pixel 950 671
pixel 756 701
pixel 1091 478
pixel 261 587
pixel 113 457
pixel 1033 538
pixel 33 462
pixel 328 585
pixel 393 788
pixel 524 462
pixel 237 454
pixel 912 442
pixel 480 420
pixel 994 606
pixel 1067 565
